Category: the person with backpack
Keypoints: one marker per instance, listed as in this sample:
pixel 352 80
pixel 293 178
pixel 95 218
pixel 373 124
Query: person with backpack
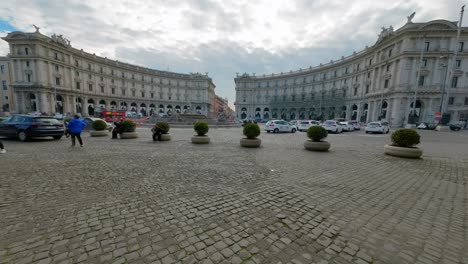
pixel 75 127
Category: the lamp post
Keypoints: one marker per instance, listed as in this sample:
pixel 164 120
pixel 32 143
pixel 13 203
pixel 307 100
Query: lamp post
pixel 413 109
pixel 444 65
pixel 382 95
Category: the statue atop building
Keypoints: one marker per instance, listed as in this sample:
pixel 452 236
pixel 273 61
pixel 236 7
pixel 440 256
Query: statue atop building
pixel 61 40
pixel 410 18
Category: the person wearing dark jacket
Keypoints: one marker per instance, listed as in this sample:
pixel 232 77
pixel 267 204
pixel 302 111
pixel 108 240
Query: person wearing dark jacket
pixel 117 129
pixel 75 127
pixel 157 132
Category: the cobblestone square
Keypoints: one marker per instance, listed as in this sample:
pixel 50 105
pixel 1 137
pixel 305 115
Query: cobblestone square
pixel 139 201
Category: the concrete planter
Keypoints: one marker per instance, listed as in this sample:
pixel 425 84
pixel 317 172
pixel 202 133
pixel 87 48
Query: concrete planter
pixel 250 143
pixel 165 137
pixel 128 135
pixel 101 133
pixel 200 139
pixel 317 146
pixel 442 128
pixel 411 153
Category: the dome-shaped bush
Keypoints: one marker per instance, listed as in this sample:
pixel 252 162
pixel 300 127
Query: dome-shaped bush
pixel 99 125
pixel 405 138
pixel 316 133
pixel 201 128
pixel 251 130
pixel 128 125
pixel 164 126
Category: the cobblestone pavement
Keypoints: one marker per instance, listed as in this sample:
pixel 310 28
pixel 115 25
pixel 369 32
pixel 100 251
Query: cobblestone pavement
pixel 137 201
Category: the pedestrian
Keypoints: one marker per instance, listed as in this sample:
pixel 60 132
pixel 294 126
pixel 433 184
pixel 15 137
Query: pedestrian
pixel 2 148
pixel 67 133
pixel 75 127
pixel 117 129
pixel 157 132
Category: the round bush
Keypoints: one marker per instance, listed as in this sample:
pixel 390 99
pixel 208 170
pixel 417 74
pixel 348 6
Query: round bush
pixel 251 130
pixel 405 138
pixel 99 125
pixel 164 126
pixel 128 126
pixel 201 128
pixel 317 133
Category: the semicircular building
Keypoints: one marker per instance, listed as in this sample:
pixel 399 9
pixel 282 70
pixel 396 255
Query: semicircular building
pixel 377 83
pixel 48 75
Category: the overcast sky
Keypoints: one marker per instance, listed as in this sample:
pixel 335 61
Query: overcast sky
pixel 220 37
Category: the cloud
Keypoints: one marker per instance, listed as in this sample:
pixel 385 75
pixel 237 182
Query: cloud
pixel 221 37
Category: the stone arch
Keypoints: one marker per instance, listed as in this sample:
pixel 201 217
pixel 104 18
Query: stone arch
pixel 59 104
pixel 143 109
pixel 113 105
pixel 32 102
pixel 266 113
pixel 177 109
pixel 292 114
pixel 161 108
pixel 123 106
pixel 258 113
pixel 90 106
pixel 169 109
pixel 133 107
pixel 414 117
pixel 243 112
pixel 354 113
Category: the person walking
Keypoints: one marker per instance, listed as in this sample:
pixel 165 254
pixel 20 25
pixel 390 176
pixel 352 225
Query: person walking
pixel 117 129
pixel 75 127
pixel 157 133
pixel 2 148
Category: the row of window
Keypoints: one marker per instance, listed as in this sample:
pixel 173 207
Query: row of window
pixel 452 100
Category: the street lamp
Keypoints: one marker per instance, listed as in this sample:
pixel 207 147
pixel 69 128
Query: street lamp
pixel 444 65
pixel 413 109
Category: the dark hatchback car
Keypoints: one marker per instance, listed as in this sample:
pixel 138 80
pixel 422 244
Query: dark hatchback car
pixel 25 127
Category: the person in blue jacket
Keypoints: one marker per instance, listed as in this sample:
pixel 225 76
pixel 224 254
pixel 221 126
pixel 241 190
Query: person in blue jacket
pixel 75 127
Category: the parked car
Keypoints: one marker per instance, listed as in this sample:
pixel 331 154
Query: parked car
pixel 455 127
pixel 427 126
pixel 294 123
pixel 377 127
pixel 59 116
pixel 347 126
pixel 305 124
pixel 355 124
pixel 332 126
pixel 277 126
pixel 25 127
pixel 89 123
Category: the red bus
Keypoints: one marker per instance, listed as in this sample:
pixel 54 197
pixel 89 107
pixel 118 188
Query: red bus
pixel 110 116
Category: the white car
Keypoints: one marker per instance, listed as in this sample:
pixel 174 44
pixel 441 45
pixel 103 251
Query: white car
pixel 305 124
pixel 347 126
pixel 277 126
pixel 355 124
pixel 377 127
pixel 332 126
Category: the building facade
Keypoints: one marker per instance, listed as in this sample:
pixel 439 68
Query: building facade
pixel 6 99
pixel 221 105
pixel 49 76
pixel 377 83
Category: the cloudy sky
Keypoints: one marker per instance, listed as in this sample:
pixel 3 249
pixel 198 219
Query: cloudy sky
pixel 219 37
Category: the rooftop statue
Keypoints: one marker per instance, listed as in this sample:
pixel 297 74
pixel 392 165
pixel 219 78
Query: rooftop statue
pixel 410 17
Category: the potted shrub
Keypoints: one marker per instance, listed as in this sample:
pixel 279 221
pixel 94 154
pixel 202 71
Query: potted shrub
pixel 316 134
pixel 164 126
pixel 251 131
pixel 403 144
pixel 100 129
pixel 128 129
pixel 201 138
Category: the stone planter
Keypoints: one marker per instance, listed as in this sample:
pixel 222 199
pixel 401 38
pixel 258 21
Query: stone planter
pixel 165 137
pixel 250 143
pixel 317 146
pixel 200 139
pixel 101 133
pixel 128 135
pixel 412 153
pixel 442 128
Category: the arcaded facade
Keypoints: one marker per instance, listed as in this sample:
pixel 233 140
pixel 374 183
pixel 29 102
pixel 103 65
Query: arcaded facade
pixel 49 76
pixel 377 83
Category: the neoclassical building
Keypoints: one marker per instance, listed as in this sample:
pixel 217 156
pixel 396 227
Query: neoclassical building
pixel 377 83
pixel 48 75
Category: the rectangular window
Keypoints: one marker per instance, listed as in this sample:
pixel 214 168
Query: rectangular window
pixel 133 93
pixel 89 66
pixel 356 79
pixel 5 87
pixel 386 84
pixel 451 100
pixel 56 55
pixel 345 81
pixel 142 78
pixel 112 81
pixel 390 52
pixel 113 90
pixel 358 66
pixel 133 76
pixel 454 82
pixel 293 98
pixel 424 63
pixel 77 73
pixel 458 63
pixel 461 46
pixel 367 89
pixel 368 75
pixel 29 77
pixel 90 87
pixel 388 68
pixel 142 94
pixel 6 98
pixel 335 74
pixel 102 79
pixel 112 72
pixel 26 50
pixel 421 81
pixel 426 46
pixel 355 91
pixel 123 91
pixel 152 95
pixel 346 70
pixel 466 100
pixel 56 68
pixel 101 70
pixel 76 63
pixel 2 68
pixel 27 63
pixel 57 81
pixel 123 75
pixel 89 76
pixel 259 85
pixel 370 62
pixel 102 88
pixel 133 84
pixel 77 85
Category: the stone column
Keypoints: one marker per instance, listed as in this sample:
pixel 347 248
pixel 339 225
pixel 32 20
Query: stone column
pixel 388 117
pixel 73 104
pixel 369 112
pixel 428 111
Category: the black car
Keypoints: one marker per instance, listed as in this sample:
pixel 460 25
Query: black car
pixel 25 127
